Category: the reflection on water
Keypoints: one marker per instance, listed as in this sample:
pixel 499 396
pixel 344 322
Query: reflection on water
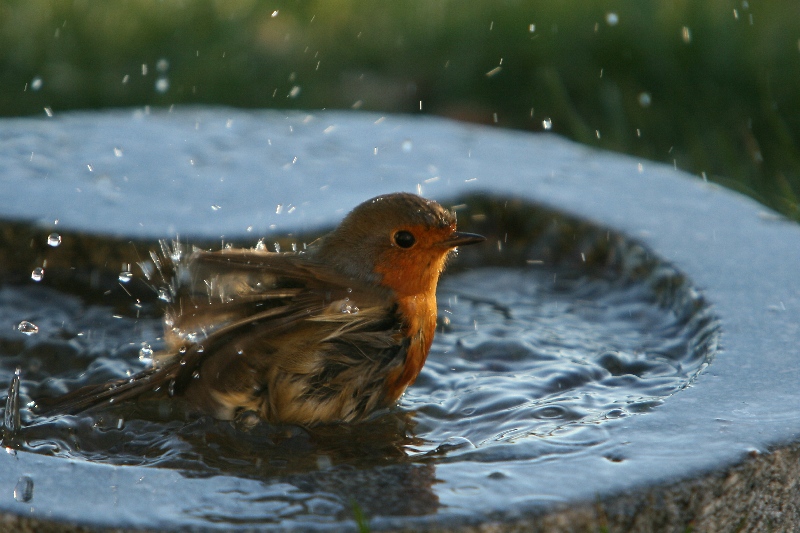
pixel 529 361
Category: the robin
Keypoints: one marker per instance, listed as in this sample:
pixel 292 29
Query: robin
pixel 327 335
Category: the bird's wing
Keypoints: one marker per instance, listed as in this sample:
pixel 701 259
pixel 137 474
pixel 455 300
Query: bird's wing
pixel 286 337
pixel 221 289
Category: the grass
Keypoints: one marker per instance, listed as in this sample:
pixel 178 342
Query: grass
pixel 708 86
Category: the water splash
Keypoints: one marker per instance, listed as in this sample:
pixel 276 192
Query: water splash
pixel 162 85
pixel 37 274
pixel 28 328
pixel 11 416
pixel 23 490
pixel 125 274
pixel 146 353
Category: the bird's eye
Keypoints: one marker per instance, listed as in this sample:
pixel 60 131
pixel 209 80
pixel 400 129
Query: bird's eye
pixel 404 239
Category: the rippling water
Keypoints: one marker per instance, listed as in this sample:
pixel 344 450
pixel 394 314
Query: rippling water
pixel 540 344
pixel 521 354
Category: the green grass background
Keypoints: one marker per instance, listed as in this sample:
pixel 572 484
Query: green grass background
pixel 711 86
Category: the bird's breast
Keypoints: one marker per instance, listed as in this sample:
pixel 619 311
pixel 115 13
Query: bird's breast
pixel 419 319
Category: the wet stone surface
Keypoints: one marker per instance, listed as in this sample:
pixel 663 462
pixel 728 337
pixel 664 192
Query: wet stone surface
pixel 576 357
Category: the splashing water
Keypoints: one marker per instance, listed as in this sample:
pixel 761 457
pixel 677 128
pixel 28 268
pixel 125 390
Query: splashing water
pixel 37 274
pixel 23 490
pixel 532 360
pixel 11 415
pixel 28 328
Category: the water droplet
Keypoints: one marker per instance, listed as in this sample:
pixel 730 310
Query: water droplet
pixel 36 83
pixel 125 276
pixel 23 491
pixel 162 65
pixel 171 388
pixel 277 247
pixel 612 19
pixel 37 274
pixel 54 239
pixel 28 328
pixel 11 419
pixel 176 253
pixel 347 308
pixel 162 85
pixel 547 124
pixel 260 246
pixel 407 145
pixel 118 152
pixel 294 92
pixel 48 111
pixel 324 461
pixel 532 28
pixel 216 207
pixel 163 295
pixel 145 352
pixel 120 423
pixel 686 34
pixel 494 71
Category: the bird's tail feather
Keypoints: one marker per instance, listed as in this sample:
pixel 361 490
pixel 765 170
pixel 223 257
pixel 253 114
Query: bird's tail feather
pixel 119 390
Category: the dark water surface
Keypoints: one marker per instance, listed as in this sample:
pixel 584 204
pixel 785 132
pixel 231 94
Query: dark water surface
pixel 548 334
pixel 525 357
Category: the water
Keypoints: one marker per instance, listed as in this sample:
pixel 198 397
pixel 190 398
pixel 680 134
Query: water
pixel 521 355
pixel 37 274
pixel 549 335
pixel 23 491
pixel 27 328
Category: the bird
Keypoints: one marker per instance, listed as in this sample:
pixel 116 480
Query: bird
pixel 330 334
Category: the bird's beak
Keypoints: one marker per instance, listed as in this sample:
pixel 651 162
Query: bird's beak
pixel 459 238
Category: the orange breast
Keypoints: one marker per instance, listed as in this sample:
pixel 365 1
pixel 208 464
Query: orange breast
pixel 419 313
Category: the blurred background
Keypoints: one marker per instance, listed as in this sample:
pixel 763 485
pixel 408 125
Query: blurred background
pixel 712 87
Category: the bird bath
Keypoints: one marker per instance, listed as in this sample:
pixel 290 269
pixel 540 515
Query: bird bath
pixel 576 370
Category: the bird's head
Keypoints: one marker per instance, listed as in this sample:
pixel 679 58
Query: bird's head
pixel 400 241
